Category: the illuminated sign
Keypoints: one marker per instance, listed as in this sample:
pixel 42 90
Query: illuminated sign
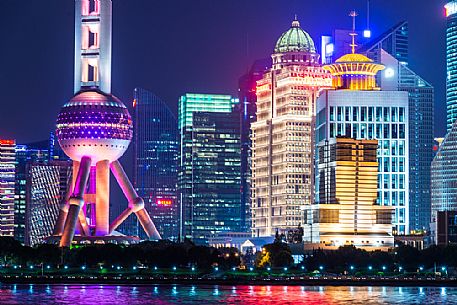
pixel 329 49
pixel 313 80
pixel 164 201
pixel 451 8
pixel 367 33
pixel 7 142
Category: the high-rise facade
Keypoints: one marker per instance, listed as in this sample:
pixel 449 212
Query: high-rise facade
pixel 391 49
pixel 283 134
pixel 451 62
pixel 7 186
pixel 346 213
pixel 47 186
pixel 247 108
pixel 209 166
pixel 444 177
pixel 359 110
pixel 156 161
pixel 25 154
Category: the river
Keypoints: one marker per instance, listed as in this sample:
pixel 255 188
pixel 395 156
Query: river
pixel 222 295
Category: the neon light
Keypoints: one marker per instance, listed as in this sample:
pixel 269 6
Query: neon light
pixel 7 142
pixel 451 8
pixel 164 201
pixel 367 33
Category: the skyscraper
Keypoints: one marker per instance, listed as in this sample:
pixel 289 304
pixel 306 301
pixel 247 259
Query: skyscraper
pixel 7 185
pixel 391 49
pixel 283 134
pixel 247 108
pixel 357 108
pixel 25 154
pixel 209 166
pixel 346 213
pixel 451 62
pixel 156 160
pixel 444 177
pixel 47 187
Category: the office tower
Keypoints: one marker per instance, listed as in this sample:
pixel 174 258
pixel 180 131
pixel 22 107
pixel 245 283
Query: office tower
pixel 451 62
pixel 209 166
pixel 444 175
pixel 247 110
pixel 357 108
pixel 391 50
pixel 7 185
pixel 94 129
pixel 346 213
pixel 25 154
pixel 47 187
pixel 283 135
pixel 398 76
pixel 156 160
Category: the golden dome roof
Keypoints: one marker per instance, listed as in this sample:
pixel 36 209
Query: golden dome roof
pixel 353 58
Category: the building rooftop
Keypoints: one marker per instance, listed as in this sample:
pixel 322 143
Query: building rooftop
pixel 295 39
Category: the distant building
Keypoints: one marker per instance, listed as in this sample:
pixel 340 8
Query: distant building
pixel 444 177
pixel 25 154
pixel 47 187
pixel 346 212
pixel 247 108
pixel 283 134
pixel 451 63
pixel 209 166
pixel 7 186
pixel 156 162
pixel 446 228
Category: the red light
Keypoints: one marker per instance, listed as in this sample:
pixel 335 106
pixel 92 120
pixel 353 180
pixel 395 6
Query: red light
pixel 164 202
pixel 6 142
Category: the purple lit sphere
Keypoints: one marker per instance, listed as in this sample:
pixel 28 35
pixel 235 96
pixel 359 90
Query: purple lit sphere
pixel 94 124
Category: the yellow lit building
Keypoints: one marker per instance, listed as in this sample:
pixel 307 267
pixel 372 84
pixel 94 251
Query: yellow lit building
pixel 347 213
pixel 283 135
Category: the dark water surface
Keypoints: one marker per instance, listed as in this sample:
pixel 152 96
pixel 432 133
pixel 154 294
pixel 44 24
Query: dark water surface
pixel 222 295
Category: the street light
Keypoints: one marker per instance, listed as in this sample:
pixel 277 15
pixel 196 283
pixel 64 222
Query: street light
pixel 352 267
pixel 321 268
pixel 216 269
pixel 251 269
pixel 174 268
pixel 285 268
pixel 193 268
pixel 370 268
pixel 384 268
pixel 268 269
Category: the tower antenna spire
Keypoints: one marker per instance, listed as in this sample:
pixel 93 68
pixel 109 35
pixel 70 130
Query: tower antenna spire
pixel 353 14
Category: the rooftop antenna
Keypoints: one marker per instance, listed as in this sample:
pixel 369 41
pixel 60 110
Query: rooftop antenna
pixel 367 32
pixel 353 14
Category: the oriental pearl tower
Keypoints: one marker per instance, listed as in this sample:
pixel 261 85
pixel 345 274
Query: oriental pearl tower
pixel 94 129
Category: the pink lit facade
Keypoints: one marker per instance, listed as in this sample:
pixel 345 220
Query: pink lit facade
pixel 95 129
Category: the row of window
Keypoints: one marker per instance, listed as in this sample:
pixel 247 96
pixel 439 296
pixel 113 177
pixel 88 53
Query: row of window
pixel 367 114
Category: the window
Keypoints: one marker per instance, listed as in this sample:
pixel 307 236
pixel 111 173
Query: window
pixel 339 113
pixel 355 113
pixel 386 114
pixel 394 113
pixel 332 113
pixel 347 114
pixel 363 114
pixel 378 114
pixel 370 114
pixel 401 114
pixel 402 131
pixel 386 181
pixel 401 164
pixel 378 131
pixel 394 131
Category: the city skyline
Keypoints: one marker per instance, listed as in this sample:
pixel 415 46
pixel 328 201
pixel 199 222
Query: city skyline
pixel 222 28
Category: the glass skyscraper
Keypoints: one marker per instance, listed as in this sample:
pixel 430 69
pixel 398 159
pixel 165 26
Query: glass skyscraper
pixel 47 187
pixel 25 154
pixel 7 186
pixel 156 162
pixel 209 166
pixel 451 62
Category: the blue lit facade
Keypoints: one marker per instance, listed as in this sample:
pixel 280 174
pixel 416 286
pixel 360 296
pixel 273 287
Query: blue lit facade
pixel 209 166
pixel 451 62
pixel 155 162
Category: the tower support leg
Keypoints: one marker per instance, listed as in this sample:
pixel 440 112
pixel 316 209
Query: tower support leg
pixel 136 203
pixel 76 202
pixel 102 198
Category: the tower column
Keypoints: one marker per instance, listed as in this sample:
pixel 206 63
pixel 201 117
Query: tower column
pixel 102 198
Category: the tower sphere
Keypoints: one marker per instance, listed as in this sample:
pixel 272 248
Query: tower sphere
pixel 295 39
pixel 94 124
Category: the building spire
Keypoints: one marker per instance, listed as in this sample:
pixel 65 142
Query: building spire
pixel 353 14
pixel 295 23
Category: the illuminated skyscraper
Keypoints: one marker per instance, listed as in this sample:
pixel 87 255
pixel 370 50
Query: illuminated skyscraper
pixel 346 212
pixel 283 135
pixel 156 161
pixel 7 185
pixel 358 109
pixel 209 166
pixel 47 187
pixel 247 109
pixel 25 154
pixel 451 62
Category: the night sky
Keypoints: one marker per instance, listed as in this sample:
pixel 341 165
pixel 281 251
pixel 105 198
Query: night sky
pixel 172 47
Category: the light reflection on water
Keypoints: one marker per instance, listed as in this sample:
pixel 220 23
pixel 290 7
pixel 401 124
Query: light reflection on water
pixel 222 295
